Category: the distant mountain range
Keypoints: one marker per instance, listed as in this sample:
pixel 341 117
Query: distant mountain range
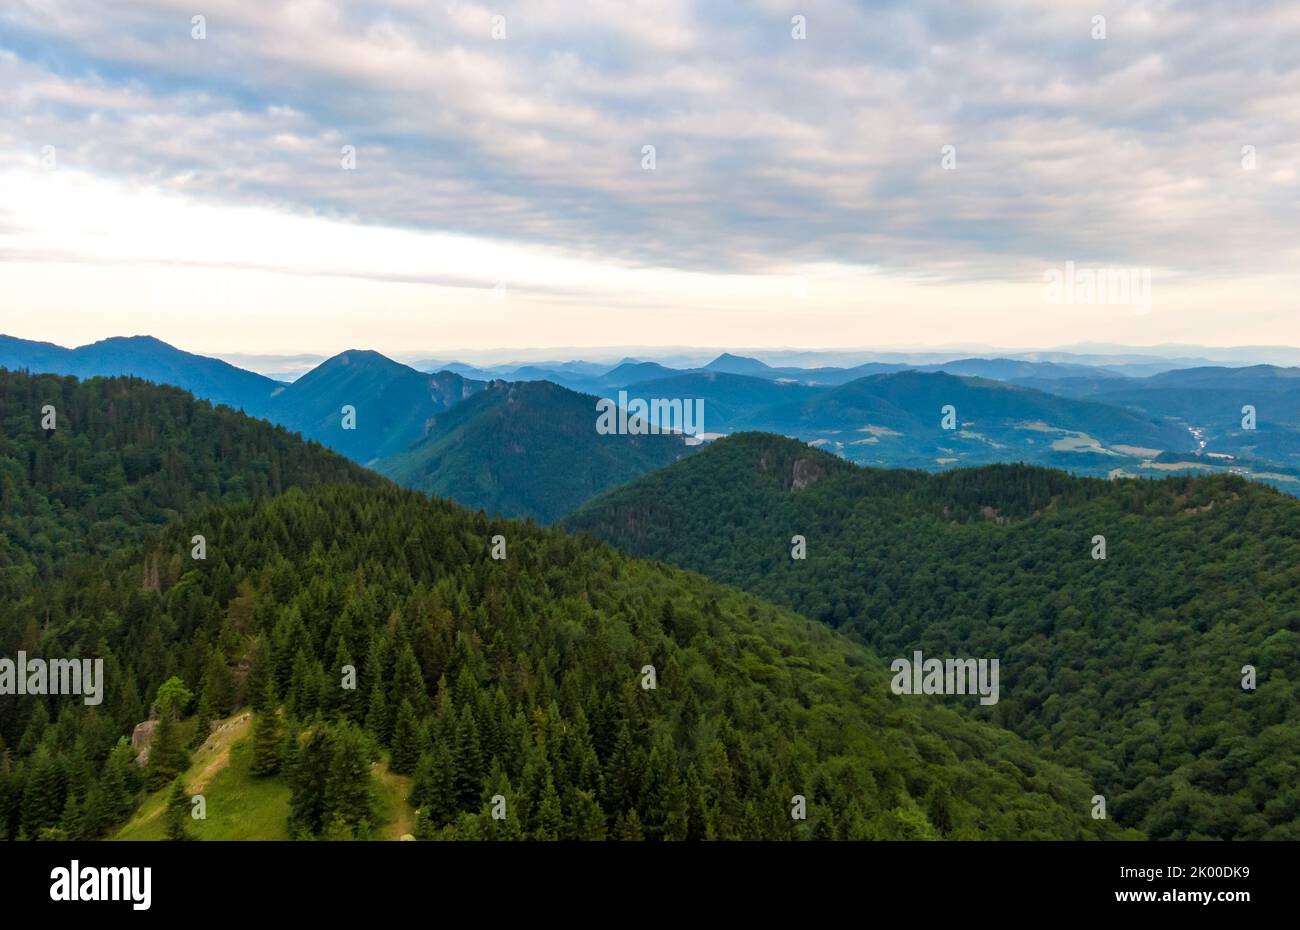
pixel 148 358
pixel 533 451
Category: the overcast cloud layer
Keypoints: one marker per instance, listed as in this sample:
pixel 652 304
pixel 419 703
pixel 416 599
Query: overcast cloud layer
pixel 771 152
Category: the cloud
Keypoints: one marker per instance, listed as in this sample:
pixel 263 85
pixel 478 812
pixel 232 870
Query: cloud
pixel 770 151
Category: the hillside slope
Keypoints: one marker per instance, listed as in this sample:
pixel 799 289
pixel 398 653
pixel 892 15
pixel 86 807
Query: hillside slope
pixel 392 405
pixel 895 420
pixel 124 458
pixel 1128 667
pixel 526 449
pixel 523 676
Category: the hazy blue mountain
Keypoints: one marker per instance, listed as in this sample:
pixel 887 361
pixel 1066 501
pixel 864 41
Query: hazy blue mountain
pixel 1078 387
pixel 1271 377
pixel 819 375
pixel 460 368
pixel 895 419
pixel 526 449
pixel 1007 369
pixel 632 372
pixel 38 357
pixel 394 403
pixel 730 401
pixel 1207 401
pixel 739 365
pixel 148 358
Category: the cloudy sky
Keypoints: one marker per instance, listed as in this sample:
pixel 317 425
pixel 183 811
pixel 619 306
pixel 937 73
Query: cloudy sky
pixel 499 190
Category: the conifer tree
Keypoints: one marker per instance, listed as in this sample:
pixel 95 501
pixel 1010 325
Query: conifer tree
pixel 407 740
pixel 178 811
pixel 550 818
pixel 43 793
pixel 632 828
pixel 268 737
pixel 587 818
pixel 167 757
pixel 467 761
pixel 441 798
pixel 347 784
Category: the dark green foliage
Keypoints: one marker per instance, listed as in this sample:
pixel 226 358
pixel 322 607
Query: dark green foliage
pixel 407 740
pixel 177 811
pixel 331 784
pixel 526 449
pixel 535 664
pixel 126 457
pixel 268 739
pixel 523 676
pixel 167 757
pixel 1128 668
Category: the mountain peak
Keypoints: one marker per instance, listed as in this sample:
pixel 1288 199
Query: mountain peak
pixel 737 365
pixel 361 358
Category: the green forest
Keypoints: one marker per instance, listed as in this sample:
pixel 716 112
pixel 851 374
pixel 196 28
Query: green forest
pixel 512 693
pixel 1128 667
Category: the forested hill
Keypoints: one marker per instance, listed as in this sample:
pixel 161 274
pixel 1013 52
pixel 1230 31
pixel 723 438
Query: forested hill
pixel 126 456
pixel 521 676
pixel 1129 667
pixel 526 449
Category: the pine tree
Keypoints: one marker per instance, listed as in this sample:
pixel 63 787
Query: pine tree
pixel 632 828
pixel 550 818
pixel 44 792
pixel 167 757
pixel 268 737
pixel 467 762
pixel 441 791
pixel 308 767
pixel 218 685
pixel 378 720
pixel 178 811
pixel 587 818
pixel 304 687
pixel 407 740
pixel 121 782
pixel 347 784
pixel 260 683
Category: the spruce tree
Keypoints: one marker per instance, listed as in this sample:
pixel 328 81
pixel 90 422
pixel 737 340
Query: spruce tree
pixel 167 757
pixel 632 828
pixel 467 762
pixel 178 811
pixel 268 737
pixel 347 784
pixel 407 740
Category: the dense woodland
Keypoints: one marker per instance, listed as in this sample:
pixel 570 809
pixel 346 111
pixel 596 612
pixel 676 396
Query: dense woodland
pixel 1129 668
pixel 124 458
pixel 528 450
pixel 519 677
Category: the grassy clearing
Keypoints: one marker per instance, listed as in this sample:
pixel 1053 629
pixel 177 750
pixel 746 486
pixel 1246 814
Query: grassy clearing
pixel 241 806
